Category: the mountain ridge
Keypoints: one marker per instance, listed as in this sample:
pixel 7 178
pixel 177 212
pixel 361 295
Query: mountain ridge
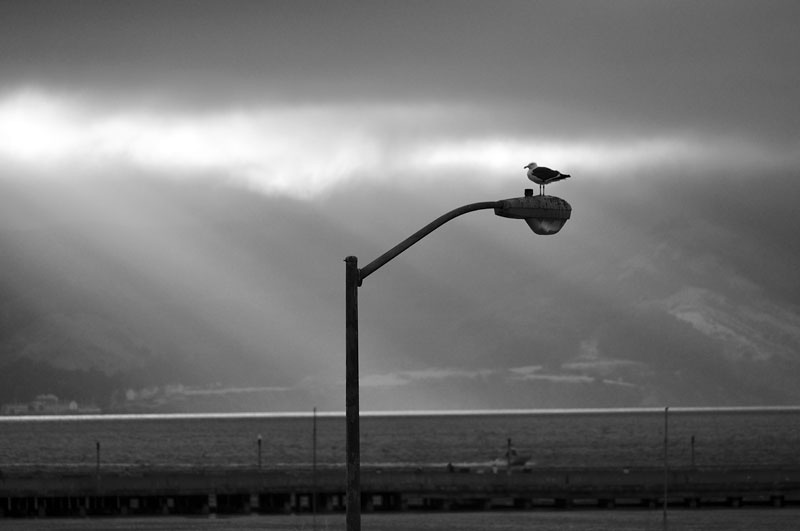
pixel 140 283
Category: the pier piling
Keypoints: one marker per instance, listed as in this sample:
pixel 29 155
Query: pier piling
pixel 281 491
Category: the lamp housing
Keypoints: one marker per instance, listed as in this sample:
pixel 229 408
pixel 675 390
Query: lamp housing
pixel 544 214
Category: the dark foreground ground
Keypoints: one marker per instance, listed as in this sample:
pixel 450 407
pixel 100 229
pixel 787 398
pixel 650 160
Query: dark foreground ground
pixel 742 519
pixel 244 492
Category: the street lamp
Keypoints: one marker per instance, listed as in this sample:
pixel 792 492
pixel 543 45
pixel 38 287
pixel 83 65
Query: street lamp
pixel 544 215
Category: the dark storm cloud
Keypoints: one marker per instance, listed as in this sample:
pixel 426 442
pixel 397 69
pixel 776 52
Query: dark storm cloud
pixel 606 66
pixel 244 88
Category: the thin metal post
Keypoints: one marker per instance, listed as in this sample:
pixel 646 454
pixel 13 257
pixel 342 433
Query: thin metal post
pixel 508 457
pixel 97 468
pixel 351 396
pixel 666 463
pixel 314 471
pixel 258 442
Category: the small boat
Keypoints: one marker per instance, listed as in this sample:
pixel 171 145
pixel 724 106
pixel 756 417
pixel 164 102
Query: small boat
pixel 511 457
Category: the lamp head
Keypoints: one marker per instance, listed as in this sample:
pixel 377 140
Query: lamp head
pixel 544 214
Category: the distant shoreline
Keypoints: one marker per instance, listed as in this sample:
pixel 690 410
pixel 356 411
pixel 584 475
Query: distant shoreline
pixel 411 413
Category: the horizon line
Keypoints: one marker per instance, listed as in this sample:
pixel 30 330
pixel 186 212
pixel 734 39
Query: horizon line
pixel 406 413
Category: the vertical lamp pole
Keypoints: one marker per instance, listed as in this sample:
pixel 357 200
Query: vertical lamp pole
pixel 351 398
pixel 543 214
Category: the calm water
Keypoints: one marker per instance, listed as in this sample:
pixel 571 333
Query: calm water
pixel 564 438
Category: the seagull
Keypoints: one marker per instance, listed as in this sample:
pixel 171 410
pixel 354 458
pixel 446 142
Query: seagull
pixel 542 176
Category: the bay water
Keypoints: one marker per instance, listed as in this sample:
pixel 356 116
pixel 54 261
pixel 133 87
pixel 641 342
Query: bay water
pixel 550 438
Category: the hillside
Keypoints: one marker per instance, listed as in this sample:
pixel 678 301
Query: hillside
pixel 126 285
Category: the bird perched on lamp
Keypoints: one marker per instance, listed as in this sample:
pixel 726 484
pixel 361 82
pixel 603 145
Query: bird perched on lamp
pixel 542 176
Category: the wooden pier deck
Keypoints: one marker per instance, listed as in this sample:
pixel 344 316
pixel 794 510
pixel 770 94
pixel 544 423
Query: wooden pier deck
pixel 283 491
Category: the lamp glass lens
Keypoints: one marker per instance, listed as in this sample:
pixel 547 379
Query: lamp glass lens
pixel 544 226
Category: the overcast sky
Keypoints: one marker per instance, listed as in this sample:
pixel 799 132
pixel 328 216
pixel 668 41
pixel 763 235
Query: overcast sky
pixel 244 88
pixel 327 102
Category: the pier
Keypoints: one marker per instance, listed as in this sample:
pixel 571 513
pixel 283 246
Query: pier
pixel 429 489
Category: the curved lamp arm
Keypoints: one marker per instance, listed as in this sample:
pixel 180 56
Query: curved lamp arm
pixel 417 236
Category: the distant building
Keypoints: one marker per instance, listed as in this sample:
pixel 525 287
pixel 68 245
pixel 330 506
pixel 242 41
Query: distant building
pixel 48 404
pixel 16 409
